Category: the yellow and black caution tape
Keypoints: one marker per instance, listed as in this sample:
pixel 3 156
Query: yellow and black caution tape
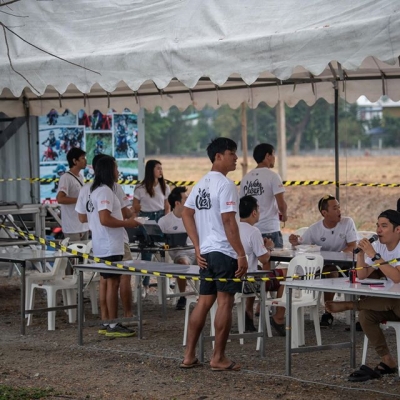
pixel 86 256
pixel 237 183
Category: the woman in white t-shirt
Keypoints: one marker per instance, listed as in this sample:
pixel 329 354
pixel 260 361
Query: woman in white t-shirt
pixel 150 200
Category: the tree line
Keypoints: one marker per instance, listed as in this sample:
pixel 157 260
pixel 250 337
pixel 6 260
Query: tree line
pixel 189 132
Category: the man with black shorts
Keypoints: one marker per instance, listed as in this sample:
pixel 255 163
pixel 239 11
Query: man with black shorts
pixel 209 217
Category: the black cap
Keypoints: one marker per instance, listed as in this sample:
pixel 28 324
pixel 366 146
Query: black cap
pixel 392 215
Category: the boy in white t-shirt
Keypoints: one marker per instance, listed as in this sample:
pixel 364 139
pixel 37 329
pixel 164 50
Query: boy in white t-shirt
pixel 173 223
pixel 209 217
pixel 375 261
pixel 257 249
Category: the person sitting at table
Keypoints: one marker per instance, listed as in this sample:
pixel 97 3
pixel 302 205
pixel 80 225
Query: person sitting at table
pixel 374 261
pixel 332 233
pixel 258 248
pixel 173 223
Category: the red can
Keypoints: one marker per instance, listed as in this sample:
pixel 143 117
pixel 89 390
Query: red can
pixel 353 275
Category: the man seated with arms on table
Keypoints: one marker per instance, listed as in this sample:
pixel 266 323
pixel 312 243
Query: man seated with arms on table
pixel 332 233
pixel 257 249
pixel 173 223
pixel 374 310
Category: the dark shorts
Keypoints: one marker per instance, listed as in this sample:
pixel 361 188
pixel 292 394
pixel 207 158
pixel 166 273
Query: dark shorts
pixel 219 265
pixel 276 237
pixel 112 259
pixel 274 284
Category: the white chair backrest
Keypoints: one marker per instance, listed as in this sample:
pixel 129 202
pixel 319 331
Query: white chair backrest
pixel 301 231
pixel 307 264
pixel 60 264
pixel 80 247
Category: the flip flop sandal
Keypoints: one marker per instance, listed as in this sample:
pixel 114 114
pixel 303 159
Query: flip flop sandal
pixel 363 374
pixel 232 367
pixel 384 369
pixel 195 363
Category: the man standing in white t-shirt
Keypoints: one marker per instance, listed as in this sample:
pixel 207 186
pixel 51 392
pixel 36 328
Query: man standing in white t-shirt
pixel 332 233
pixel 375 260
pixel 266 186
pixel 68 190
pixel 173 223
pixel 209 217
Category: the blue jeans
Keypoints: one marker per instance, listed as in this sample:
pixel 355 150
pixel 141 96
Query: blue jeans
pixel 276 237
pixel 153 216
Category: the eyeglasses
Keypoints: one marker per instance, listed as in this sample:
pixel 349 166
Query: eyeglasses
pixel 325 199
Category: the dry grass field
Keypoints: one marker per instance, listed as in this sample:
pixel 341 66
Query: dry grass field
pixel 363 204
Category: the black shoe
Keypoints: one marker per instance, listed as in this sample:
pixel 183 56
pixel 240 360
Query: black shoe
pixel 249 324
pixel 326 320
pixel 181 304
pixel 358 327
pixel 279 328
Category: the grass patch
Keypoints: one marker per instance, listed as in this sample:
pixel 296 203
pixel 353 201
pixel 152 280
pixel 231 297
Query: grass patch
pixel 13 393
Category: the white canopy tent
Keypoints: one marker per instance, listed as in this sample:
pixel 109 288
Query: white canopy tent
pixel 146 53
pixel 171 52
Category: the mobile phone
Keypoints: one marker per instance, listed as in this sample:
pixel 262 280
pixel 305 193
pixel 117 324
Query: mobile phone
pixel 372 284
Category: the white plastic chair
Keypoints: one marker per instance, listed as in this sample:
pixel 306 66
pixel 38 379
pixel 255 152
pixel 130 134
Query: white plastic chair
pixel 307 265
pixel 59 281
pixel 384 325
pixel 301 231
pixel 38 277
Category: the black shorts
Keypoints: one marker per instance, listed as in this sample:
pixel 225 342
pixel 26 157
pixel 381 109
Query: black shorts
pixel 219 265
pixel 106 275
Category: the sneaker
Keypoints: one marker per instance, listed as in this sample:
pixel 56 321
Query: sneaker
pixel 181 304
pixel 102 330
pixel 279 328
pixel 249 324
pixel 326 320
pixel 120 331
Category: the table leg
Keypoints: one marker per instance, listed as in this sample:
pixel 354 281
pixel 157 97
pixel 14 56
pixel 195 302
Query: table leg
pixel 138 284
pixel 288 331
pixel 352 336
pixel 164 296
pixel 80 308
pixel 23 294
pixel 263 319
pixel 201 346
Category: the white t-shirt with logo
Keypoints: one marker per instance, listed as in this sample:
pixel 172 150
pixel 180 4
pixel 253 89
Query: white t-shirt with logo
pixel 170 223
pixel 212 196
pixel 150 204
pixel 386 254
pixel 253 244
pixel 84 196
pixel 106 241
pixel 334 239
pixel 264 184
pixel 69 184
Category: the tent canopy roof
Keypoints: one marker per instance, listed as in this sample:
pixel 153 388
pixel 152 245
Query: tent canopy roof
pixel 151 53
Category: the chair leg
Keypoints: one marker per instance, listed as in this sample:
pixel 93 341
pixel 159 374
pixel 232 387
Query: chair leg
pixel 397 329
pixel 31 305
pixel 240 310
pixel 51 302
pixel 365 349
pixel 93 298
pixel 317 326
pixel 71 300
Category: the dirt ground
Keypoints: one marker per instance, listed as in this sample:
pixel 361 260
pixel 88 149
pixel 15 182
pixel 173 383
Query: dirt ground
pixel 130 368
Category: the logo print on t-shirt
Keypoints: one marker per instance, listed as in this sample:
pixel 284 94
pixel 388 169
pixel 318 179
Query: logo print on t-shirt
pixel 89 206
pixel 253 188
pixel 203 201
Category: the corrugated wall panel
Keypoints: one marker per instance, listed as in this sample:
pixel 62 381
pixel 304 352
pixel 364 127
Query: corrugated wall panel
pixel 14 163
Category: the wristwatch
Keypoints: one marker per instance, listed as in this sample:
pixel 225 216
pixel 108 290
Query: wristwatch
pixel 376 257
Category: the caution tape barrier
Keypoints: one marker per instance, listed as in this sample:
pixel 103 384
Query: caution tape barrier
pixel 167 275
pixel 237 183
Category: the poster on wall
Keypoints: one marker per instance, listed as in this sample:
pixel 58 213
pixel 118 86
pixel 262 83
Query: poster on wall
pixel 114 134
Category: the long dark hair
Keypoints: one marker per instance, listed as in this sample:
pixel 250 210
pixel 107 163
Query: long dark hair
pixel 148 181
pixel 104 173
